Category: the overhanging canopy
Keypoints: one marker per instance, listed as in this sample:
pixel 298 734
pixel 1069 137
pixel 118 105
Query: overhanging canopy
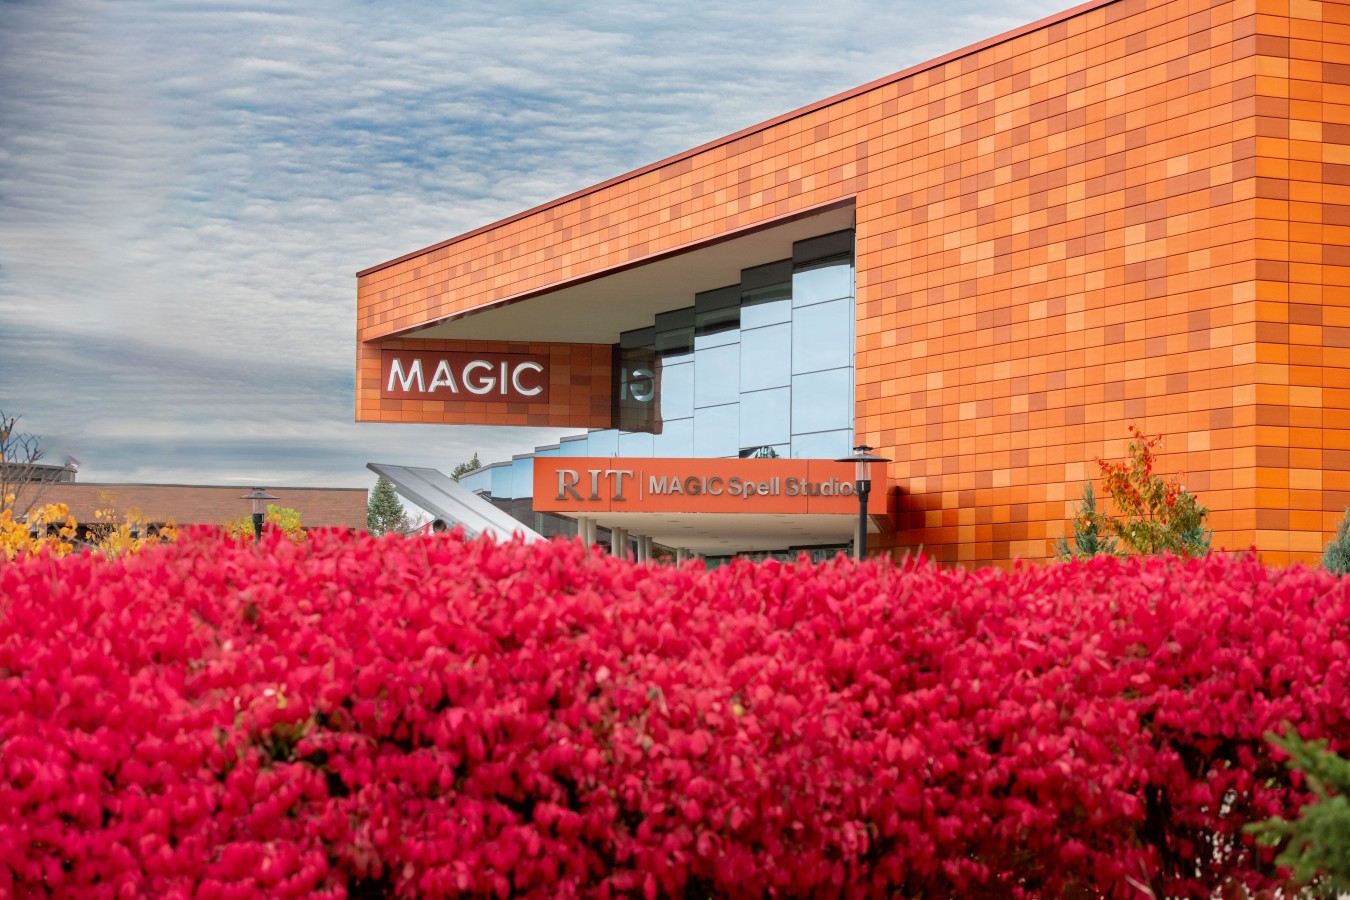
pixel 438 493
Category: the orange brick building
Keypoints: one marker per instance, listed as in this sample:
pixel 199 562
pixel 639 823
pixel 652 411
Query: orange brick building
pixel 1135 212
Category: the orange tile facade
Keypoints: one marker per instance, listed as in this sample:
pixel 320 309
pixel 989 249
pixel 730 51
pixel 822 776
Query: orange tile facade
pixel 580 383
pixel 1134 212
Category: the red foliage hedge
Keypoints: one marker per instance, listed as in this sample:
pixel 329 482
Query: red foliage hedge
pixel 434 718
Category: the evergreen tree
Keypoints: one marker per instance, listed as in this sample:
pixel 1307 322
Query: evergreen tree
pixel 384 512
pixel 1088 540
pixel 1318 848
pixel 1336 558
pixel 466 467
pixel 1195 540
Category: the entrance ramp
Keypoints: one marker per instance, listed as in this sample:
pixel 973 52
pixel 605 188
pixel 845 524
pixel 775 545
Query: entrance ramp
pixel 442 496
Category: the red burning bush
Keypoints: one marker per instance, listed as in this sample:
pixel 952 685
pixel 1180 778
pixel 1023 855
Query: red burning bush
pixel 436 718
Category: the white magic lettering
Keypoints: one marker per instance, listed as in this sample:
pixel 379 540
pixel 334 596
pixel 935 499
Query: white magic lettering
pixel 476 376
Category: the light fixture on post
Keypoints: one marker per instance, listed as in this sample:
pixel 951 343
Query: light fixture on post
pixel 259 496
pixel 862 486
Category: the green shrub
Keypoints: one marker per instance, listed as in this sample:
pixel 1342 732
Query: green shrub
pixel 1318 848
pixel 1336 558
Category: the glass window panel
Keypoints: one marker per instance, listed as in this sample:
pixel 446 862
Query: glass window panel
pixel 822 401
pixel 822 445
pixel 766 417
pixel 676 400
pixel 717 431
pixel 501 482
pixel 522 477
pixel 477 480
pixel 768 275
pixel 728 297
pixel 768 312
pixel 717 376
pixel 827 282
pixel 766 294
pixel 766 360
pixel 641 337
pixel 823 247
pixel 822 337
pixel 754 296
pixel 675 440
pixel 572 446
pixel 636 444
pixel 602 443
pixel 776 451
pixel 675 333
pixel 717 327
pixel 673 346
pixel 639 373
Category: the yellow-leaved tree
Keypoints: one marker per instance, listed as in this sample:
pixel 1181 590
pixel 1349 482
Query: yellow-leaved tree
pixel 281 518
pixel 50 527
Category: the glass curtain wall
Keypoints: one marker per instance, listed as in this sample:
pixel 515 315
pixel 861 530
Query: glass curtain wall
pixel 760 368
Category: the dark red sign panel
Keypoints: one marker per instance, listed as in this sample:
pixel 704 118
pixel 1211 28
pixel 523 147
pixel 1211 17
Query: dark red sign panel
pixel 440 375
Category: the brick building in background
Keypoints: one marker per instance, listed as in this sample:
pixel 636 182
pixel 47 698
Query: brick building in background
pixel 187 504
pixel 1134 212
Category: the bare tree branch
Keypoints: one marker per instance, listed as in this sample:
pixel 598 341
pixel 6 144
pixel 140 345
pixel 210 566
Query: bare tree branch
pixel 24 478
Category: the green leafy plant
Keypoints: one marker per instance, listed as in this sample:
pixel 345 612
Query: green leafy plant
pixel 1336 557
pixel 1317 843
pixel 1152 514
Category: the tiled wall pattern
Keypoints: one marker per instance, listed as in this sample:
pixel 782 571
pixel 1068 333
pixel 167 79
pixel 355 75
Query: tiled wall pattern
pixel 1135 212
pixel 580 383
pixel 1300 423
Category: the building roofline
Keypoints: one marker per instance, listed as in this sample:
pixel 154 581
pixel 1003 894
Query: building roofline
pixel 1049 20
pixel 241 487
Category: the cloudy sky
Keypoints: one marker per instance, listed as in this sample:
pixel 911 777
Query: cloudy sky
pixel 187 189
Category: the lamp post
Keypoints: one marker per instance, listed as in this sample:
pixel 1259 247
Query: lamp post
pixel 259 496
pixel 862 486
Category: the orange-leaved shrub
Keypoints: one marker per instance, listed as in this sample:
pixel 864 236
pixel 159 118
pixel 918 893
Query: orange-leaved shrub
pixel 1147 513
pixel 436 718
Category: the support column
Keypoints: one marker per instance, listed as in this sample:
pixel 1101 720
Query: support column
pixel 619 542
